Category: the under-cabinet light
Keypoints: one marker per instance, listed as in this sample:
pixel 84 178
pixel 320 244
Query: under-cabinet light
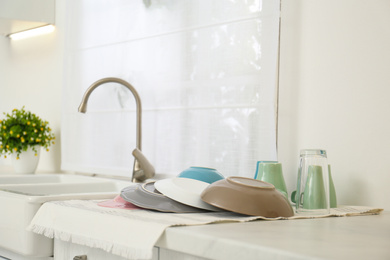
pixel 32 32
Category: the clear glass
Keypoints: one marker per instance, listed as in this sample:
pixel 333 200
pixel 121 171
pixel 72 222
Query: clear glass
pixel 312 196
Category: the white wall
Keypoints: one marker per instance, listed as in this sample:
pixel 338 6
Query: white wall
pixel 334 87
pixel 31 76
pixel 334 90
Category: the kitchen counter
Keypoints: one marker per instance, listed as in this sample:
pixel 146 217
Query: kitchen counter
pixel 359 237
pixel 82 225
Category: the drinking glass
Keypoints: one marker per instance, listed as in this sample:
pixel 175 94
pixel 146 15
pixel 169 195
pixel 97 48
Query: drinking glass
pixel 312 195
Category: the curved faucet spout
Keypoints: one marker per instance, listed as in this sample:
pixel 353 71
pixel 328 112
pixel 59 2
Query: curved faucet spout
pixel 84 102
pixel 139 174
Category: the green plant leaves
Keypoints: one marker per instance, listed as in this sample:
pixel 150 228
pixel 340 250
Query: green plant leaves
pixel 22 129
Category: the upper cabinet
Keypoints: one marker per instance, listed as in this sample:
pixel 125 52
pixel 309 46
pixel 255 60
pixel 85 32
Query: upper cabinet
pixel 21 15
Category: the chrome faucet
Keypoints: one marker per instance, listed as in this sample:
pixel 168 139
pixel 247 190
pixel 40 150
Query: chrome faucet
pixel 142 168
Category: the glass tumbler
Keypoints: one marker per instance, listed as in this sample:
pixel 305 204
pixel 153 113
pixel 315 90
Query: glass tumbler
pixel 312 196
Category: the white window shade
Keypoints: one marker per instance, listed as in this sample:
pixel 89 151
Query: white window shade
pixel 205 71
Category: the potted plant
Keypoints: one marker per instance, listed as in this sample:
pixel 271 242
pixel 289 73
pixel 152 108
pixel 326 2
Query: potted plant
pixel 22 134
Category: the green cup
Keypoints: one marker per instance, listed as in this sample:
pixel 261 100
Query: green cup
pixel 314 196
pixel 332 191
pixel 271 172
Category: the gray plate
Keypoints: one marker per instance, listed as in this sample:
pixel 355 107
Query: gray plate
pixel 146 196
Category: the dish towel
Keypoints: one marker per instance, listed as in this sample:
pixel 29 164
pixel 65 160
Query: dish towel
pixel 133 233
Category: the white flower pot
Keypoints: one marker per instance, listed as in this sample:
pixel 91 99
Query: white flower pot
pixel 27 162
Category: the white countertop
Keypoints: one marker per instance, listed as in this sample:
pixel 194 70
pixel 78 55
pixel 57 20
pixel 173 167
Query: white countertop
pixel 360 237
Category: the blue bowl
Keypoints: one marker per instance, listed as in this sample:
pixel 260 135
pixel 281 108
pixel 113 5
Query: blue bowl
pixel 208 175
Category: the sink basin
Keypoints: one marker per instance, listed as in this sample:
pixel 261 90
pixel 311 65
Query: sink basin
pixel 21 196
pixel 45 178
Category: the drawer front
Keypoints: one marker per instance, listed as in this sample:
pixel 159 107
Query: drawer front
pixel 166 254
pixel 66 251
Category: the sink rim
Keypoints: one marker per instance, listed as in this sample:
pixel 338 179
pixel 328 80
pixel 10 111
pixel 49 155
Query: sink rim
pixel 13 179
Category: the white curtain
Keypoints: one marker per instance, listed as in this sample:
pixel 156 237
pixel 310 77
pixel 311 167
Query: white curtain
pixel 206 72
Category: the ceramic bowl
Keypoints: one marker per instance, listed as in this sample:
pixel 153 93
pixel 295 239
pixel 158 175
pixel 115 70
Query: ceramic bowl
pixel 247 196
pixel 147 197
pixel 204 174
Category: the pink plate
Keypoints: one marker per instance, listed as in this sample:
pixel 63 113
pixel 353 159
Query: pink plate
pixel 118 203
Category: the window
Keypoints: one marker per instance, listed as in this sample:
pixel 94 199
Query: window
pixel 205 71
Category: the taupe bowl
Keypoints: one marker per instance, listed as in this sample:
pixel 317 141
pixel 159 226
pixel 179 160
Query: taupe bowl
pixel 247 196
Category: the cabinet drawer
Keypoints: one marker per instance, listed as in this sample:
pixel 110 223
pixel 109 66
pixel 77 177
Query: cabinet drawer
pixel 166 254
pixel 67 251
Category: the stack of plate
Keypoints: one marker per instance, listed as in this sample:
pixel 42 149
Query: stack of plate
pixel 189 195
pixel 146 196
pixel 179 195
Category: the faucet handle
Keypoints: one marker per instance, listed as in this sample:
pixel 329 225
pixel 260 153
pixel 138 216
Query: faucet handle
pixel 143 169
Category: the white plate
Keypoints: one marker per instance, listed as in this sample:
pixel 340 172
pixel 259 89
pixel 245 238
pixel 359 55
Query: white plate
pixel 186 191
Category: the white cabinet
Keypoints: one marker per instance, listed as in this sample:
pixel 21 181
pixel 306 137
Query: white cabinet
pixel 166 254
pixel 67 251
pixel 9 255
